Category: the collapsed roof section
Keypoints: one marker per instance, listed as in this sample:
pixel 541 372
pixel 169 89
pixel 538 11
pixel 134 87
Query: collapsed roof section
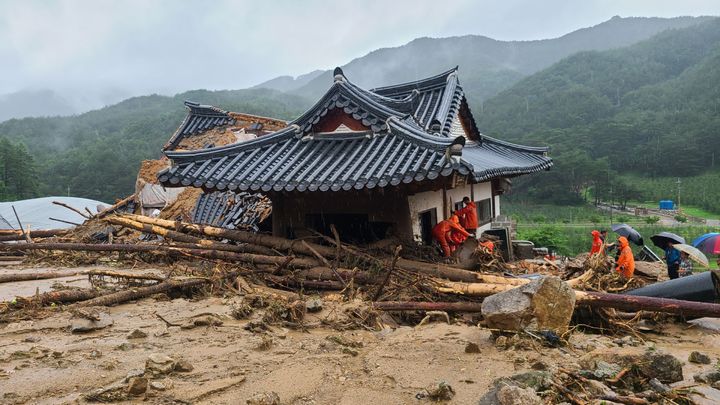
pixel 205 125
pixel 354 139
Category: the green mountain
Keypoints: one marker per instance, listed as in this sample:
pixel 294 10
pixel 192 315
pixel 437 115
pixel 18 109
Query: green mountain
pixel 488 66
pixel 652 109
pixel 97 154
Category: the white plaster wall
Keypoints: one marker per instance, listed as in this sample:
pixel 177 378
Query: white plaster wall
pixel 421 202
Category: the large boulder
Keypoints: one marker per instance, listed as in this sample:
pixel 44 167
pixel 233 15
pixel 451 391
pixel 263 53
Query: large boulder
pixel 541 305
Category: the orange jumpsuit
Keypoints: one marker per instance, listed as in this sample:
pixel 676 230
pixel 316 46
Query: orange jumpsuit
pixel 440 234
pixel 469 216
pixel 596 243
pixel 626 261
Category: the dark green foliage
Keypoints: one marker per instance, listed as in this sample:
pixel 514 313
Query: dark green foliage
pixel 97 154
pixel 18 172
pixel 652 109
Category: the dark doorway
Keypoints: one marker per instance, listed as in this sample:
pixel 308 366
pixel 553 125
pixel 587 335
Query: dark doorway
pixel 353 228
pixel 428 219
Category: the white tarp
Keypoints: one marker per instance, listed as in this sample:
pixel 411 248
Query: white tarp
pixel 36 212
pixel 157 196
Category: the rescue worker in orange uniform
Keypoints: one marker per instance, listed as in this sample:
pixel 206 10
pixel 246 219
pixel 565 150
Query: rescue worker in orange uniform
pixel 441 233
pixel 468 215
pixel 455 238
pixel 597 243
pixel 626 261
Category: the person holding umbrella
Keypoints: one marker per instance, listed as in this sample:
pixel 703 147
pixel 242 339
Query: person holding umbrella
pixel 667 241
pixel 672 258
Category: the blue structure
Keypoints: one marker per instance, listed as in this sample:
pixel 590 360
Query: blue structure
pixel 667 205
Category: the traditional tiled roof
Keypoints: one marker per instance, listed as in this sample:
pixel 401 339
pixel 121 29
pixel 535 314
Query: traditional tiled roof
pixel 438 99
pixel 395 147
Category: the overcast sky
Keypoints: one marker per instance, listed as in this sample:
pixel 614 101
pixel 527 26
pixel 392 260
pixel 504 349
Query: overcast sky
pixel 146 46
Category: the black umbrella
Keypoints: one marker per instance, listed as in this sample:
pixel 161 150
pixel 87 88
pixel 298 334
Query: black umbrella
pixel 627 231
pixel 661 240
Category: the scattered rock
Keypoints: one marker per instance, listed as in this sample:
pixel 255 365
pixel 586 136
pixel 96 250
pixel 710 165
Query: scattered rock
pixel 314 305
pixel 125 346
pixel 543 304
pixel 703 395
pixel 627 341
pixel 537 380
pixel 205 320
pixel 158 386
pixel 137 386
pixel 517 389
pixel 539 365
pixel 350 351
pixel 514 395
pixel 134 373
pixel 94 354
pixel 137 334
pixel 264 398
pixel 657 386
pixel 501 342
pixel 472 348
pixel 31 339
pixel 82 325
pixel 159 364
pixel 343 341
pixel 700 358
pixel 602 371
pixel 112 393
pixel 716 385
pixel 441 391
pixel 664 367
pixel 598 389
pixel 183 366
pixel 707 377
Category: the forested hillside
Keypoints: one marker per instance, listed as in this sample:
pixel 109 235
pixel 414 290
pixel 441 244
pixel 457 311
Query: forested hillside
pixel 652 109
pixel 487 66
pixel 97 154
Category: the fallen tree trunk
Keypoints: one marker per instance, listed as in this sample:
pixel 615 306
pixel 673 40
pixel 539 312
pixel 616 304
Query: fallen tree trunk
pixel 600 300
pixel 58 297
pixel 115 206
pixel 173 251
pixel 325 273
pixel 9 278
pixel 427 306
pixel 308 284
pixel 119 274
pixel 17 235
pixel 141 292
pixel 182 237
pixel 274 242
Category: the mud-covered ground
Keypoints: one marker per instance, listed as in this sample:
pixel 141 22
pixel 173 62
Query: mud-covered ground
pixel 42 362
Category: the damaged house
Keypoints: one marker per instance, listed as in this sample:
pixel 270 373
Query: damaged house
pixel 391 160
pixel 206 127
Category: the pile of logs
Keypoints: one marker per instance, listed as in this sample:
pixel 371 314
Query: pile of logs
pixel 329 265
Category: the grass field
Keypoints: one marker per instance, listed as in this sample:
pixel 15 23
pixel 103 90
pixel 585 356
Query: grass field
pixel 567 229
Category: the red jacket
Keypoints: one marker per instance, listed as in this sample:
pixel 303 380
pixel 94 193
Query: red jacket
pixel 469 215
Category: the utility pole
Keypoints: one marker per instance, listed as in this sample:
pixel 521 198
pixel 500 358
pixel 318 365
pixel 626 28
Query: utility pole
pixel 678 199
